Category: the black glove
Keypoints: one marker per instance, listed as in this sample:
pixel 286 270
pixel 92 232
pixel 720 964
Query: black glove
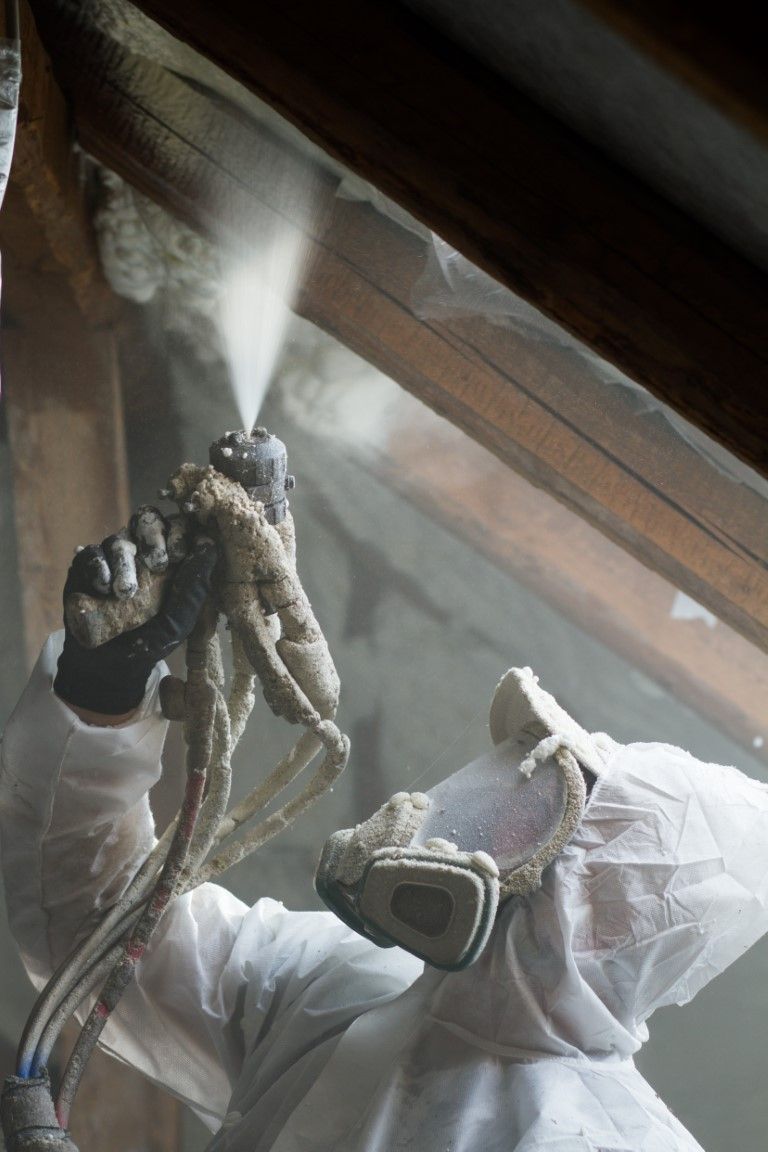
pixel 112 678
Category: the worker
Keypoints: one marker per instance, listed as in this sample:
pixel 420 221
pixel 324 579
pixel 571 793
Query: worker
pixel 293 1032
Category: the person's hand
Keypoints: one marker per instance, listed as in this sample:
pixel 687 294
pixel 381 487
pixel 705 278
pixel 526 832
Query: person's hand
pixel 110 680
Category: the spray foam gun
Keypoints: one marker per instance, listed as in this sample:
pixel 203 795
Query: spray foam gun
pixel 240 499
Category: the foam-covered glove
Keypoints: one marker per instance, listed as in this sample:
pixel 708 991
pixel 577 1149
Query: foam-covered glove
pixel 111 679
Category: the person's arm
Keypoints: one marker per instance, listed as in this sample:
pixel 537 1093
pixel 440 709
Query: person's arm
pixel 75 825
pixel 222 989
pixel 74 811
pixel 221 984
pixel 79 756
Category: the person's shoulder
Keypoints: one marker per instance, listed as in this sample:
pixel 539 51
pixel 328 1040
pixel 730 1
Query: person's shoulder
pixel 653 792
pixel 315 943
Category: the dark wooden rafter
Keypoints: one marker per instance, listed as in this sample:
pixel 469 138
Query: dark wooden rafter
pixel 718 49
pixel 541 412
pixel 514 191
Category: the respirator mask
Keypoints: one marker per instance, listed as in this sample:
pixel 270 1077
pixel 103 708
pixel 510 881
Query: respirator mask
pixel 428 871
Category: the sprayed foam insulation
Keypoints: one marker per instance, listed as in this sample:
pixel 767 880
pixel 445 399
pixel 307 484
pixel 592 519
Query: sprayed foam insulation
pixel 147 254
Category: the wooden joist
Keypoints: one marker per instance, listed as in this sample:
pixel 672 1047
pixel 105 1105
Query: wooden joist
pixel 565 562
pixel 541 413
pixel 61 395
pixel 513 190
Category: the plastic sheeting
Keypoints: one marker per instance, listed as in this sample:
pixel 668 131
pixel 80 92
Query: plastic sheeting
pixel 451 287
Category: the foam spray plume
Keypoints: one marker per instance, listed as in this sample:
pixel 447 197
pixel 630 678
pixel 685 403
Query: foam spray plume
pixel 260 289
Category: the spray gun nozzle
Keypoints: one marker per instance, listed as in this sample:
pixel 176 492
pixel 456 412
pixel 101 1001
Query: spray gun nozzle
pixel 259 462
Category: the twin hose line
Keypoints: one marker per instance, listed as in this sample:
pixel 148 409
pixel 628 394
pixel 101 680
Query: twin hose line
pixel 299 683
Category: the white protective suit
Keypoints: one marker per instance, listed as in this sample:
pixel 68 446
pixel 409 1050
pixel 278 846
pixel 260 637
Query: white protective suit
pixel 303 1037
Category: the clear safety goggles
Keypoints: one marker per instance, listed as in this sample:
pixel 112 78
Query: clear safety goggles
pixel 428 871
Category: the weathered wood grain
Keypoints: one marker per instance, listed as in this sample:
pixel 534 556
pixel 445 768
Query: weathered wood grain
pixel 513 190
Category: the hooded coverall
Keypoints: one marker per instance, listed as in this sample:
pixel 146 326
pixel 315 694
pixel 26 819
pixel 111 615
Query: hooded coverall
pixel 289 1032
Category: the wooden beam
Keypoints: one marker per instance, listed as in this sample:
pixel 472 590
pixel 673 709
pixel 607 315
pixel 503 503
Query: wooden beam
pixel 60 381
pixel 63 405
pixel 514 190
pixel 548 419
pixel 44 171
pixel 563 560
pixel 716 48
pixel 541 412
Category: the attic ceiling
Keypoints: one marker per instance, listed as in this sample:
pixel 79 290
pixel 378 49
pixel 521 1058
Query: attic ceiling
pixel 570 63
pixel 180 117
pixel 616 96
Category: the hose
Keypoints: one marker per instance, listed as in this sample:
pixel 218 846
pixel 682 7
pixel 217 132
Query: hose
pixel 299 682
